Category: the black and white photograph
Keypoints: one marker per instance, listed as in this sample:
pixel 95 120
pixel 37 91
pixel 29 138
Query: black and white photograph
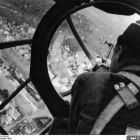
pixel 70 67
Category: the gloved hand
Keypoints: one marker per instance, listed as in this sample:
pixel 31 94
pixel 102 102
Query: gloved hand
pixel 102 63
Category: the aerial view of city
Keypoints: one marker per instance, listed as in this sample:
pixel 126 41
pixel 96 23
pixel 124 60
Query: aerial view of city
pixel 27 114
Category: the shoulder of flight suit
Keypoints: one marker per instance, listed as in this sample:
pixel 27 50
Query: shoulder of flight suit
pixel 93 77
pixel 87 94
pixel 95 84
pixel 90 94
pixel 90 82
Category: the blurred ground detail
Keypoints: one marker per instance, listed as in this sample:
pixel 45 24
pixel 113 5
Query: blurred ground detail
pixel 20 115
pixel 98 31
pixel 67 60
pixel 24 11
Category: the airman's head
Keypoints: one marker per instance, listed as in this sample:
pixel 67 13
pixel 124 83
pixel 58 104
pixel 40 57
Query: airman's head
pixel 127 47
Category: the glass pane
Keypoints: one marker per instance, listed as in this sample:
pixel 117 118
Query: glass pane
pixel 20 116
pixel 66 59
pixel 98 31
pixel 21 17
pixel 26 113
pixel 16 61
